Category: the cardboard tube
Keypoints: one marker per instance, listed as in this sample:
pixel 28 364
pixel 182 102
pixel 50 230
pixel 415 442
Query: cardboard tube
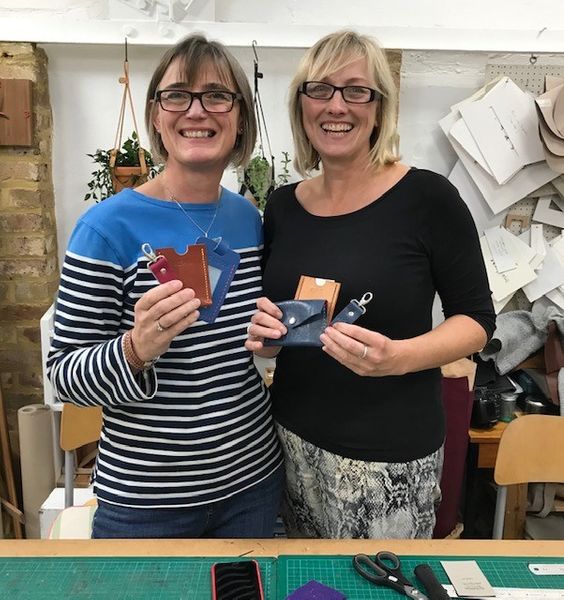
pixel 35 426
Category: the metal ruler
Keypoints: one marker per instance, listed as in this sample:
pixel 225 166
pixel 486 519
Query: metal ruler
pixel 516 594
pixel 547 569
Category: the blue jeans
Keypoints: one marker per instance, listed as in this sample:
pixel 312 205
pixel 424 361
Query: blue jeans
pixel 249 514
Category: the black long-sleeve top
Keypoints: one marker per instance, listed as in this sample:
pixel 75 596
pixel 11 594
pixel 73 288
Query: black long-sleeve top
pixel 416 240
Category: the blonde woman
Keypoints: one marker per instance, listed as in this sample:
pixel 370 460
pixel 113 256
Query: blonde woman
pixel 361 419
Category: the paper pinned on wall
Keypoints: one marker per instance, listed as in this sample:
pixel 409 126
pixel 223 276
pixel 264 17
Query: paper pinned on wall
pixel 460 132
pixel 545 214
pixel 505 284
pixel 504 125
pixel 482 213
pixel 500 250
pixel 548 278
pixel 500 197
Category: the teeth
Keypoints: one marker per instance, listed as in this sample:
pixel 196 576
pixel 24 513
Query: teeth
pixel 338 127
pixel 197 134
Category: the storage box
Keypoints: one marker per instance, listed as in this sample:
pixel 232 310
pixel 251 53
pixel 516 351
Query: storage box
pixel 55 503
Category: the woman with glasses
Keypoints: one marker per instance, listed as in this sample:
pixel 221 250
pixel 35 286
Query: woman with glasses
pixel 360 418
pixel 188 447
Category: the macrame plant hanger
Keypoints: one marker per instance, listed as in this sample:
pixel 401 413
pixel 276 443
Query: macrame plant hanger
pixel 263 138
pixel 126 176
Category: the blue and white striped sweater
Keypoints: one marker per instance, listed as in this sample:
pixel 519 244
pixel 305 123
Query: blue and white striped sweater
pixel 198 427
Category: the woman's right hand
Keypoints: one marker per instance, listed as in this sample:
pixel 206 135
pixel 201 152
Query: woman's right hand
pixel 161 314
pixel 265 323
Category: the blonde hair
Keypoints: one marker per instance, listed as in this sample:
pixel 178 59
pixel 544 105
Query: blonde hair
pixel 195 54
pixel 328 55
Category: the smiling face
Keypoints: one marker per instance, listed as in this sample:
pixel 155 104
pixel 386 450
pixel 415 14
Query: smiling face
pixel 196 138
pixel 336 129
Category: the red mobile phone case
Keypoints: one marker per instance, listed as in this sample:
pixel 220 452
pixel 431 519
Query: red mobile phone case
pixel 219 595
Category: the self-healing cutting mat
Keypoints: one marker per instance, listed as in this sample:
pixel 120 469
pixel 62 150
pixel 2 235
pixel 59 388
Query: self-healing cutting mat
pixel 337 572
pixel 123 578
pixel 179 578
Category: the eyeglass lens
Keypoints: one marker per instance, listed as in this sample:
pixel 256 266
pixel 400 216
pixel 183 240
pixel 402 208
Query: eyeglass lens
pixel 181 100
pixel 351 93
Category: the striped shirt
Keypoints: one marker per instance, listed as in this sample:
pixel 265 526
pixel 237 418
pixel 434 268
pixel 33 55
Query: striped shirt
pixel 196 428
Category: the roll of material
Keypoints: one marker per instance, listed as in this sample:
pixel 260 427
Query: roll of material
pixel 35 425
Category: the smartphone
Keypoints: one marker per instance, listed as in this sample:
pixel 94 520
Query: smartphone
pixel 236 581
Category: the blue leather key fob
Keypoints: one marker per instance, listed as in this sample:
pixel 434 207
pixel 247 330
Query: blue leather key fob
pixel 353 310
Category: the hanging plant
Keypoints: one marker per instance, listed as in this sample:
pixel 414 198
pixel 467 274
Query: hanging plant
pixel 125 165
pixel 259 179
pixel 126 172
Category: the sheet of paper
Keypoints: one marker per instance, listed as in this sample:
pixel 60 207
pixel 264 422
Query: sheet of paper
pixel 460 132
pixel 549 277
pixel 500 197
pixel 467 578
pixel 505 284
pixel 482 213
pixel 537 239
pixel 504 125
pixel 498 306
pixel 501 251
pixel 545 214
pixel 536 259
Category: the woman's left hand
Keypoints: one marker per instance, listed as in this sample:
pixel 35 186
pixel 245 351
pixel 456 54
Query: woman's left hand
pixel 365 352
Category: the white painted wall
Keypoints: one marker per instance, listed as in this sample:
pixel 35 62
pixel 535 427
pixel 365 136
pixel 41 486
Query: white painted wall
pixel 85 92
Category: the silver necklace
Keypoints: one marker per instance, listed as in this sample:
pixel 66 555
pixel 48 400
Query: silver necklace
pixel 204 231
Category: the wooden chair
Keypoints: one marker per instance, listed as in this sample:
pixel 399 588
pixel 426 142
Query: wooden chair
pixel 79 426
pixel 531 450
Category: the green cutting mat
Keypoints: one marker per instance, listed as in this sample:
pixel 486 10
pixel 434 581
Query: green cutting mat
pixel 119 578
pixel 187 578
pixel 337 572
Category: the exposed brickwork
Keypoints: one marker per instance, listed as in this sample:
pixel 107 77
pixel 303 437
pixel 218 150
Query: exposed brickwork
pixel 28 240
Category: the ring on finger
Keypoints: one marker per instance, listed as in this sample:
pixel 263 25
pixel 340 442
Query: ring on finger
pixel 362 356
pixel 160 328
pixel 249 328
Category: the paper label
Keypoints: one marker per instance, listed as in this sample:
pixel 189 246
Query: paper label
pixel 501 252
pixel 467 578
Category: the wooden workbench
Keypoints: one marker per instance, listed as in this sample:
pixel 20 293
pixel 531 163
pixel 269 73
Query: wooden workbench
pixel 275 547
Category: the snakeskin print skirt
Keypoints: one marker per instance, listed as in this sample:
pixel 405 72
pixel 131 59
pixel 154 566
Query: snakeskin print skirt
pixel 330 496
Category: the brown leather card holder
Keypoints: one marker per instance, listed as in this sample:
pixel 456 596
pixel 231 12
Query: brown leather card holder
pixel 316 288
pixel 191 268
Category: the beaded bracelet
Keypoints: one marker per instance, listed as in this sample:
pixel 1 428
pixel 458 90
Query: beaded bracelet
pixel 131 356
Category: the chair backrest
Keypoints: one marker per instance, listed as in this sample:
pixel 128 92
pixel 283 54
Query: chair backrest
pixel 531 450
pixel 80 426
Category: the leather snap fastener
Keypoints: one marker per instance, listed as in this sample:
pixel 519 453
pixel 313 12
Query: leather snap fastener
pixel 292 320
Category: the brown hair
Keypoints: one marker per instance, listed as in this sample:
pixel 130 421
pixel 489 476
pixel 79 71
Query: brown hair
pixel 329 54
pixel 195 53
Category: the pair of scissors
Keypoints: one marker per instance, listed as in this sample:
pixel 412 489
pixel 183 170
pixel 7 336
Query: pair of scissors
pixel 385 570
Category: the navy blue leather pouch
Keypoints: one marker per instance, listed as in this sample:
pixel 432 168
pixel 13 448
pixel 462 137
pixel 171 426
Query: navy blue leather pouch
pixel 305 321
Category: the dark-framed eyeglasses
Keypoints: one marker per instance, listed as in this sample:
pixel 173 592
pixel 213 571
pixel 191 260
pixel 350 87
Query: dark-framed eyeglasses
pixel 353 94
pixel 213 101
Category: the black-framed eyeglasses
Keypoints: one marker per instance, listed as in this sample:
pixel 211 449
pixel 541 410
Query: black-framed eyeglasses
pixel 353 94
pixel 213 101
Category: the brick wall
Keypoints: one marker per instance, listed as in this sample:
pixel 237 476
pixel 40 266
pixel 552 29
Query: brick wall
pixel 28 243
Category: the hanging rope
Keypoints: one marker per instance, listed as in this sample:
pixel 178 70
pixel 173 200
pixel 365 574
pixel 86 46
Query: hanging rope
pixel 259 112
pixel 263 138
pixel 126 96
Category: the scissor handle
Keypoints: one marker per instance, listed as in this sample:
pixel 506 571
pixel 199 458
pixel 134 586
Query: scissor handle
pixel 368 569
pixel 391 564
